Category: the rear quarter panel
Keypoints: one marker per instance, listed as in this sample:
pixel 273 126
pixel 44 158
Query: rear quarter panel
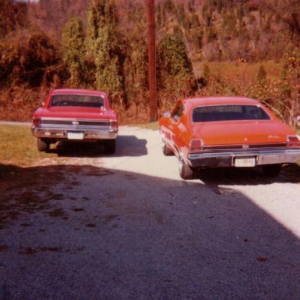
pixel 182 134
pixel 176 133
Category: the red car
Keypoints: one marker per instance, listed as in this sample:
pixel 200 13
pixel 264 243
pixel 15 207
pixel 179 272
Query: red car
pixel 215 132
pixel 75 115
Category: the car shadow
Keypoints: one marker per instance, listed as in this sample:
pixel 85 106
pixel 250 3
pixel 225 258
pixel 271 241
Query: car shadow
pixel 130 145
pixel 117 234
pixel 247 176
pixel 218 180
pixel 126 145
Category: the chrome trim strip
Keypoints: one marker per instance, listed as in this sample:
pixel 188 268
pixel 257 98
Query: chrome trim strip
pixel 74 119
pixel 88 134
pixel 227 158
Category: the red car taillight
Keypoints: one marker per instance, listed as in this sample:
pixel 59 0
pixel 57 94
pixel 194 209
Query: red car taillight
pixel 114 125
pixel 196 146
pixel 36 122
pixel 293 141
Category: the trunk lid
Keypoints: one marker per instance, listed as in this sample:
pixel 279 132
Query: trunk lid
pixel 244 132
pixel 77 113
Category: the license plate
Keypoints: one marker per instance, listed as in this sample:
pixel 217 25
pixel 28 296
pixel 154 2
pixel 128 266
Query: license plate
pixel 75 135
pixel 245 162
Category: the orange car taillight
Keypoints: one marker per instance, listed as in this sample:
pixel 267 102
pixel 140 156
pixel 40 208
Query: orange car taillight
pixel 196 146
pixel 36 122
pixel 293 141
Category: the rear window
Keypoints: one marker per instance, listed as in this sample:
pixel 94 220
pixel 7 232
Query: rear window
pixel 228 113
pixel 77 100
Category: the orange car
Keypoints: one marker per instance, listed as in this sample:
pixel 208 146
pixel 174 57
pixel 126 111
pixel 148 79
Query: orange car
pixel 227 132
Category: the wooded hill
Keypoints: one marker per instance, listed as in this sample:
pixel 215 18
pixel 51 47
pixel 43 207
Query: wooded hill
pixel 203 47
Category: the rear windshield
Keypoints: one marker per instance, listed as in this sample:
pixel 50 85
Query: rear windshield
pixel 229 113
pixel 77 100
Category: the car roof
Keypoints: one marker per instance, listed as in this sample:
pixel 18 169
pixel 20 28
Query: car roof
pixel 220 100
pixel 76 92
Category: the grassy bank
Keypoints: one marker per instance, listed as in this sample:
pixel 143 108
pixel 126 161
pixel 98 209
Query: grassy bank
pixel 18 146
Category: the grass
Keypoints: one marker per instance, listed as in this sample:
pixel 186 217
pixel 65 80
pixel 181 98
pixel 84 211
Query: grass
pixel 17 153
pixel 18 146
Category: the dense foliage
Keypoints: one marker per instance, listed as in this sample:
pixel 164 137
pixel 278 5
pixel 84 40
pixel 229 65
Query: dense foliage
pixel 102 44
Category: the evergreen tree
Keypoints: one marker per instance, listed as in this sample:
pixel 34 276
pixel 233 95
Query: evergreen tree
pixel 73 50
pixel 174 69
pixel 136 61
pixel 105 46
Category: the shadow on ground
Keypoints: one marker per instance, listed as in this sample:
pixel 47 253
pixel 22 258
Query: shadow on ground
pixel 81 232
pixel 248 176
pixel 125 145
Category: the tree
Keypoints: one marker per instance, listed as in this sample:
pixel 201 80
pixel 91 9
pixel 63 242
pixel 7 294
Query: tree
pixel 106 46
pixel 13 16
pixel 290 86
pixel 136 61
pixel 229 25
pixel 29 61
pixel 288 11
pixel 39 57
pixel 73 50
pixel 174 69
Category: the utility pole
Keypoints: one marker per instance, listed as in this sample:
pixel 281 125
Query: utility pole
pixel 151 59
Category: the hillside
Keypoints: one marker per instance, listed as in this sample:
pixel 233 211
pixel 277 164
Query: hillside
pixel 215 30
pixel 55 43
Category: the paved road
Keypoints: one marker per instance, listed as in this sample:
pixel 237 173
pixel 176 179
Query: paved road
pixel 90 226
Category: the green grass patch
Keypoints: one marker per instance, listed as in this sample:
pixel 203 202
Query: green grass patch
pixel 18 146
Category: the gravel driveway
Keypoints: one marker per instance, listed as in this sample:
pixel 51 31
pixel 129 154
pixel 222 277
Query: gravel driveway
pixel 82 225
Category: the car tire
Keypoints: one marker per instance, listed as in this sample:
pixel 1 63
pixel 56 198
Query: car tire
pixel 185 171
pixel 43 144
pixel 272 170
pixel 110 146
pixel 166 150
